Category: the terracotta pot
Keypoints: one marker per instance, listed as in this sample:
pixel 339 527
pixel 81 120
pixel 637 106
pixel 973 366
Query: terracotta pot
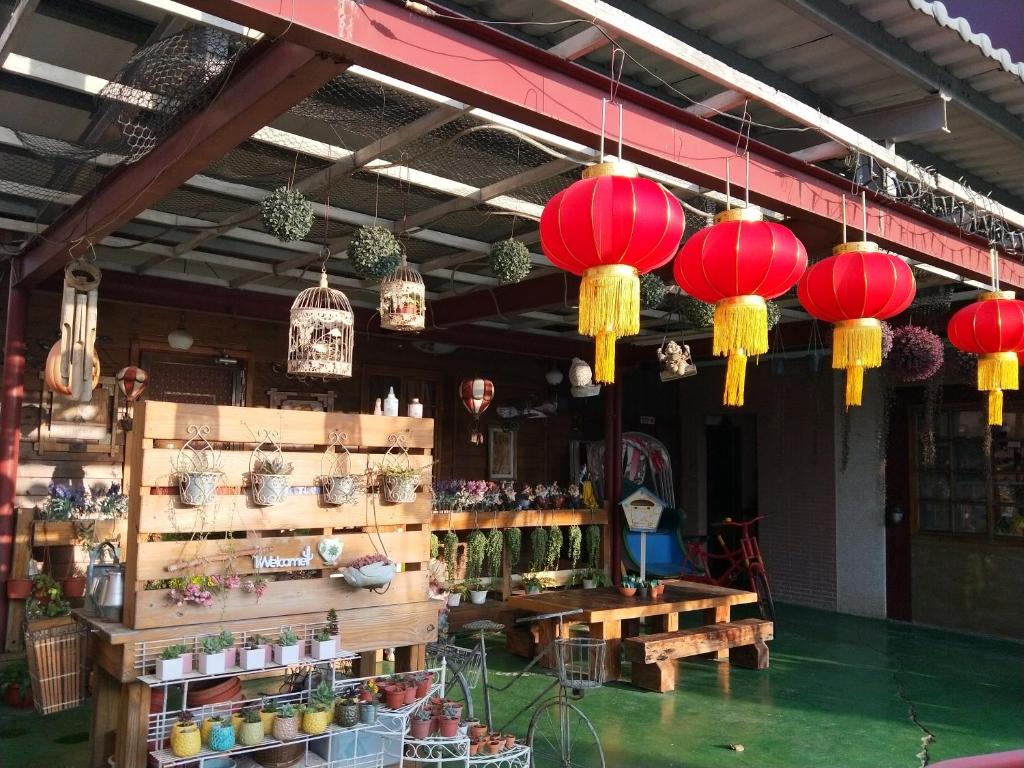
pixel 74 586
pixel 627 591
pixel 213 692
pixel 458 707
pixel 17 698
pixel 449 727
pixel 19 589
pixel 510 740
pixel 394 697
pixel 435 723
pixel 423 686
pixel 477 731
pixel 474 747
pixel 657 591
pixel 365 696
pixel 419 729
pixel 494 746
pixel 410 694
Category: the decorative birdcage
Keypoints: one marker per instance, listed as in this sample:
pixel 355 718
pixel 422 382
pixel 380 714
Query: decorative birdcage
pixel 197 467
pixel 339 483
pixel 321 333
pixel 403 300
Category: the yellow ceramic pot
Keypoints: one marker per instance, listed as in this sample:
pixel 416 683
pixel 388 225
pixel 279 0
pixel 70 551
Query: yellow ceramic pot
pixel 315 722
pixel 236 722
pixel 250 734
pixel 186 740
pixel 267 718
pixel 204 731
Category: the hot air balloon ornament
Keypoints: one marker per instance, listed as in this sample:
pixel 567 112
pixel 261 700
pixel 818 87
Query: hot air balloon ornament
pixel 476 396
pixel 132 381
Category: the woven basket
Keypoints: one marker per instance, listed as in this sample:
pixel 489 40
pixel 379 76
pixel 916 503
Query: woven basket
pixel 284 756
pixel 56 657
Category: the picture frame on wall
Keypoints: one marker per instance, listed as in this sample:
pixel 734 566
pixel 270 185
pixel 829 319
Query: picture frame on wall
pixel 501 454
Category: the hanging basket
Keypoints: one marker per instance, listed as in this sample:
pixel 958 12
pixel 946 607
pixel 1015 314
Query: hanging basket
pixel 321 333
pixel 268 490
pixel 399 489
pixel 197 468
pixel 269 473
pixel 403 302
pixel 395 475
pixel 675 360
pixel 371 576
pixel 339 486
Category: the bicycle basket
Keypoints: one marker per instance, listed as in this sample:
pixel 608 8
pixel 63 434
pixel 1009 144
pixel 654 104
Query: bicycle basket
pixel 465 660
pixel 580 662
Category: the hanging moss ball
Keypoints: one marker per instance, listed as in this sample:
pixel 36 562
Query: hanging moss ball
pixel 652 291
pixel 374 252
pixel 697 313
pixel 917 353
pixel 286 214
pixel 774 314
pixel 510 260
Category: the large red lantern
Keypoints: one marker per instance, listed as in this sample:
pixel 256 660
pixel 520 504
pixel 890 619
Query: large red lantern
pixel 609 228
pixel 856 288
pixel 993 329
pixel 736 264
pixel 476 396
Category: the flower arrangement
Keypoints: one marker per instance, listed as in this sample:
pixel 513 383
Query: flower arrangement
pixel 255 586
pixel 916 354
pixel 510 260
pixel 370 571
pixel 47 600
pixel 198 590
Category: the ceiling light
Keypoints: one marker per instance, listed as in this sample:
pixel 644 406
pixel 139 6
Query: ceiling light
pixel 554 377
pixel 179 338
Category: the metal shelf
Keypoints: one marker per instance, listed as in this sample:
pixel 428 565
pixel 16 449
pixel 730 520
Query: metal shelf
pixel 194 677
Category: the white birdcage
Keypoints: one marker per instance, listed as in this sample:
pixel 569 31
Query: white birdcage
pixel 403 300
pixel 321 333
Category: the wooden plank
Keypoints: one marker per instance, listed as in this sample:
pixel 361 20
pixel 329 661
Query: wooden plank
pixel 753 656
pixel 20 555
pixel 47 533
pixel 154 609
pixel 155 556
pixel 661 676
pixel 611 633
pixel 720 614
pixel 170 421
pixel 106 697
pixel 133 720
pixel 530 518
pixel 135 445
pixel 697 640
pixel 160 513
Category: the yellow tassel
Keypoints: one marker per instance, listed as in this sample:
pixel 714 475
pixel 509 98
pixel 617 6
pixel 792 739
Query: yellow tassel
pixel 857 342
pixel 997 371
pixel 610 301
pixel 604 358
pixel 735 378
pixel 995 407
pixel 854 385
pixel 741 323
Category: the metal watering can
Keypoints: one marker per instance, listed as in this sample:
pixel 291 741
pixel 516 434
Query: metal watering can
pixel 105 582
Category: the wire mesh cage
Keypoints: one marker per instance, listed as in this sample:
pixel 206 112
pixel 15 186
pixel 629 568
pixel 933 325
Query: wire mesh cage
pixel 403 300
pixel 580 662
pixel 321 333
pixel 56 665
pixel 464 660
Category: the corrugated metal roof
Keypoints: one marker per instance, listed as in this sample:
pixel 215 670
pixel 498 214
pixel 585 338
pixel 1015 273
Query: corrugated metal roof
pixel 962 27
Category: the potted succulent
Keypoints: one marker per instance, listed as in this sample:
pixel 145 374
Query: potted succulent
pixel 369 691
pixel 367 712
pixel 449 725
pixel 477 591
pixel 286 649
pixel 532 583
pixel 474 747
pixel 208 725
pixel 346 711
pixel 593 578
pixel 16 685
pixel 286 724
pixel 170 665
pixel 410 689
pixel 394 696
pixel 423 682
pixel 211 655
pixel 74 585
pixel 227 642
pixel 419 727
pixel 510 740
pixel 477 730
pixel 317 715
pixel 628 586
pixel 322 645
pixel 398 483
pixel 185 738
pixel 251 731
pixel 657 588
pixel 266 645
pixel 370 571
pixel 252 656
pixel 495 744
pixel 268 714
pixel 198 483
pixel 643 589
pixel 222 736
pixel 455 594
pixel 271 479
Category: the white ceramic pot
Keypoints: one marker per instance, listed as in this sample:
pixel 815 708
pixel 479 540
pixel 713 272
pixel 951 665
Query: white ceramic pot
pixel 589 584
pixel 211 663
pixel 370 576
pixel 321 650
pixel 170 669
pixel 454 598
pixel 254 658
pixel 478 596
pixel 268 490
pixel 197 488
pixel 286 654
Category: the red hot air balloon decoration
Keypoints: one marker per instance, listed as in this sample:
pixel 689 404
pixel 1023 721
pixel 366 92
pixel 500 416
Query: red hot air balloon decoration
pixel 610 227
pixel 736 264
pixel 132 382
pixel 856 288
pixel 476 395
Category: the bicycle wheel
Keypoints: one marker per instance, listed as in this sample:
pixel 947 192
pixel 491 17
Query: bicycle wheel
pixel 457 689
pixel 759 582
pixel 561 736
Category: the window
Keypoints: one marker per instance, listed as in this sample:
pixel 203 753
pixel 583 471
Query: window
pixel 965 491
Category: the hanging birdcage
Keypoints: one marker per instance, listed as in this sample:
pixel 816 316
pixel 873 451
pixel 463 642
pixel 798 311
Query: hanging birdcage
pixel 403 300
pixel 321 333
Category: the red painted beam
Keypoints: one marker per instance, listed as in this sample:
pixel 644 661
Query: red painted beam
pixel 271 78
pixel 487 68
pixel 553 290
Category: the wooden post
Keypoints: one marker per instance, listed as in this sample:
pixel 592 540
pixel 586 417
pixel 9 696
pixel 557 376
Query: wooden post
pixel 133 725
pixel 611 633
pixel 410 657
pixel 106 702
pixel 19 570
pixel 718 615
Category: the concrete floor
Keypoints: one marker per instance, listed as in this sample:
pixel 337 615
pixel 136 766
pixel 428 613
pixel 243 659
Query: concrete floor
pixel 841 691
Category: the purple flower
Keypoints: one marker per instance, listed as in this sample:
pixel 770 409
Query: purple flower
pixel 916 354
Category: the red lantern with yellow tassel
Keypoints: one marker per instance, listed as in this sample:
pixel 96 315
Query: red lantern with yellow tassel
pixel 856 288
pixel 993 329
pixel 609 228
pixel 736 264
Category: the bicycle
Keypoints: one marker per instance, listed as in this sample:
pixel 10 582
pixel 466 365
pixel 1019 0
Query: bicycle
pixel 560 735
pixel 745 558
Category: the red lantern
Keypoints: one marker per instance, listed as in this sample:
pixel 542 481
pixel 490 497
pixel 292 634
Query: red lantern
pixel 132 382
pixel 610 227
pixel 993 329
pixel 856 288
pixel 476 395
pixel 736 264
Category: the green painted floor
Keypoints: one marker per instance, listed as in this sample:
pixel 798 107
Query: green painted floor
pixel 841 691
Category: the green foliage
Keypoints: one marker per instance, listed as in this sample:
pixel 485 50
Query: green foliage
pixel 211 645
pixel 323 696
pixel 652 291
pixel 538 547
pixel 173 652
pixel 374 252
pixel 476 550
pixel 251 715
pixel 286 214
pixel 514 544
pixel 269 706
pixel 474 585
pixel 592 541
pixel 332 622
pixel 554 548
pixel 273 465
pixel 599 577
pixel 495 547
pixel 287 711
pixel 15 674
pixel 774 314
pixel 186 718
pixel 287 637
pixel 697 313
pixel 575 545
pixel 451 553
pixel 322 635
pixel 435 546
pixel 510 260
pixel 225 639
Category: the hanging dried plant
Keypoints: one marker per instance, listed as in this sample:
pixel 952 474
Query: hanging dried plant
pixel 374 252
pixel 538 548
pixel 476 551
pixel 932 401
pixel 451 553
pixel 963 365
pixel 514 544
pixel 592 540
pixel 916 353
pixel 575 545
pixel 435 546
pixel 652 291
pixel 510 260
pixel 554 547
pixel 286 214
pixel 495 547
pixel 886 339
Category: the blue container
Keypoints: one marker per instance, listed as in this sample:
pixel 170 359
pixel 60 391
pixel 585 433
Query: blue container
pixel 222 737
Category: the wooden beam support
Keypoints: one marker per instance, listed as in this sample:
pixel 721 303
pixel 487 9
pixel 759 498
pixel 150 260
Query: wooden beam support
pixel 726 101
pixel 581 44
pixel 538 293
pixel 15 26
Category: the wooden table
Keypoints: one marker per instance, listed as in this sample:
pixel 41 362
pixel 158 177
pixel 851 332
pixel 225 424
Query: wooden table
pixel 613 616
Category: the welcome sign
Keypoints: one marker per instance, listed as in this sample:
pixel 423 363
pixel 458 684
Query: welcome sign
pixel 303 560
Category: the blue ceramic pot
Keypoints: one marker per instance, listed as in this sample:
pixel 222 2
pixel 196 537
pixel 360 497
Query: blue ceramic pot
pixel 222 737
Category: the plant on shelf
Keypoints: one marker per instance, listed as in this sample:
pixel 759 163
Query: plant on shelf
pixel 592 544
pixel 419 727
pixel 346 709
pixel 514 545
pixel 435 546
pixel 477 591
pixel 451 553
pixel 629 585
pixel 286 649
pixel 222 735
pixel 286 724
pixel 47 600
pixel 538 548
pixel 575 545
pixel 370 571
pixel 252 655
pixel 495 548
pixel 170 665
pixel 554 548
pixel 16 685
pixel 185 738
pixel 332 622
pixel 250 733
pixel 449 725
pixel 324 645
pixel 657 588
pixel 476 551
pixel 268 714
pixel 456 594
pixel 211 655
pixel 317 715
pixel 208 723
pixel 594 577
pixel 532 583
pixel 286 214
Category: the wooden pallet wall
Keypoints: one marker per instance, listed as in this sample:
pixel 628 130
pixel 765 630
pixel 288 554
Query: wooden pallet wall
pixel 164 532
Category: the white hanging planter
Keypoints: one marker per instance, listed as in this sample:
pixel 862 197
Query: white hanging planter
pixel 269 473
pixel 371 575
pixel 268 490
pixel 339 486
pixel 399 489
pixel 197 467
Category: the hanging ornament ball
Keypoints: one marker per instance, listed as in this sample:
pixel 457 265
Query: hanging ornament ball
pixel 374 252
pixel 916 353
pixel 697 313
pixel 287 214
pixel 510 260
pixel 652 291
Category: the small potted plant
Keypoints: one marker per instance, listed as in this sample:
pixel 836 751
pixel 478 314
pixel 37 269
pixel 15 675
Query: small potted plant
pixel 323 645
pixel 477 730
pixel 266 645
pixel 268 714
pixel 211 655
pixel 198 483
pixel 394 696
pixel 449 726
pixel 271 479
pixel 74 585
pixel 474 747
pixel 222 736
pixel 628 586
pixel 398 484
pixel 370 571
pixel 16 685
pixel 207 726
pixel 593 578
pixel 456 593
pixel 369 691
pixel 495 744
pixel 477 591
pixel 657 589
pixel 643 589
pixel 346 711
pixel 286 724
pixel 185 738
pixel 286 649
pixel 423 682
pixel 532 583
pixel 419 727
pixel 510 740
pixel 227 642
pixel 19 589
pixel 367 712
pixel 250 733
pixel 252 656
pixel 170 665
pixel 409 681
pixel 317 715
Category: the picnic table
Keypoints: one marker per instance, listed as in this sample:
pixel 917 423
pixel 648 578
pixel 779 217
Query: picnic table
pixel 615 617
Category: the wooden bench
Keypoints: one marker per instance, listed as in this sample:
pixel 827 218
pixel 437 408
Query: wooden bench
pixel 654 656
